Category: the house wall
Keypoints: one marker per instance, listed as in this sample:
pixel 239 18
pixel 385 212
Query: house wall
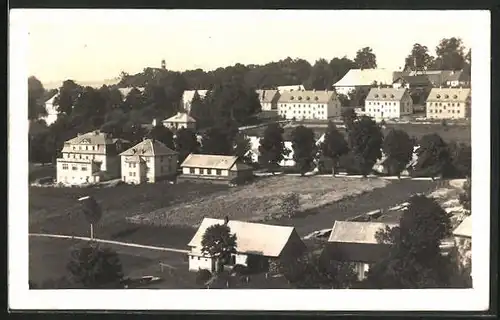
pixel 205 172
pixel 447 110
pixel 132 172
pixel 302 110
pixel 165 166
pixel 179 125
pixel 197 262
pixel 389 109
pixel 75 173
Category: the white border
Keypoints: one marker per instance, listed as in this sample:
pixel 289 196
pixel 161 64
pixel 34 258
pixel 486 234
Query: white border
pixel 349 300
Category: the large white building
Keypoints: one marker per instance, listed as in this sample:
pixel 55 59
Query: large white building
pixel 268 99
pixel 363 78
pixel 314 104
pixel 148 161
pixel 89 158
pixel 264 241
pixel 388 103
pixel 179 121
pixel 187 98
pixel 448 103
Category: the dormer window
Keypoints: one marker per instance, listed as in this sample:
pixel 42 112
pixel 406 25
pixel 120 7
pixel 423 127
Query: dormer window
pixel 455 96
pixel 446 96
pixel 292 97
pixel 300 98
pixel 392 96
pixel 308 98
pixel 316 98
pixel 376 95
pixel 438 96
pixel 384 95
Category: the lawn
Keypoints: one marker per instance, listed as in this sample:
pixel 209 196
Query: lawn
pixel 261 200
pixel 37 171
pixel 56 210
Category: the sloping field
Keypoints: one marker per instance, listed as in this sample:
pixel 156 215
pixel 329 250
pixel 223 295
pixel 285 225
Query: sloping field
pixel 260 200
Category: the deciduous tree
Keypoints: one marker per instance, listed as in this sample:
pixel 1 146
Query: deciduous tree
pixel 334 145
pixel 433 157
pixel 304 148
pixel 450 54
pixel 272 147
pixel 219 243
pixel 241 147
pixel 365 58
pixel 365 141
pixel 162 134
pixel 419 58
pixel 398 148
pixel 36 95
pixel 186 143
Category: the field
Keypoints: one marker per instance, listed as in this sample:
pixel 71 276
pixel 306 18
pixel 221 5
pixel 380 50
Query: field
pixel 261 200
pixel 458 133
pixel 56 210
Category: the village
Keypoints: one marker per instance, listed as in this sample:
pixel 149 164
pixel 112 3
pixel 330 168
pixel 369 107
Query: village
pixel 306 191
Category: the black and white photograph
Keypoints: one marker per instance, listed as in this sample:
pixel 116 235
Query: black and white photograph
pixel 324 159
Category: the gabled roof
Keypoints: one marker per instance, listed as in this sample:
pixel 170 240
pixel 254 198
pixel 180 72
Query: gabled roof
pixel 366 77
pixel 449 95
pixel 310 96
pixel 94 137
pixel 386 94
pixel 126 91
pixel 149 147
pixel 356 232
pixel 267 96
pixel 209 161
pixel 464 229
pixel 180 117
pixel 264 239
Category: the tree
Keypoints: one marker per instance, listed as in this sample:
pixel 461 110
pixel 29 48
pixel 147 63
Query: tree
pixel 340 67
pixel 94 267
pixel 349 116
pixel 92 211
pixel 415 260
pixel 433 157
pixel 68 95
pixel 313 271
pixel 162 134
pixel 36 101
pixel 334 145
pixel 272 147
pixel 365 142
pixel 217 141
pixel 320 77
pixel 290 204
pixel 358 96
pixel 461 155
pixel 398 148
pixel 465 195
pixel 241 147
pixel 219 243
pixel 201 112
pixel 450 54
pixel 304 148
pixel 365 58
pixel 419 58
pixel 186 143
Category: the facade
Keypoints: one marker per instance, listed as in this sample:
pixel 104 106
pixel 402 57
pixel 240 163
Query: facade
pixel 355 242
pixel 363 78
pixel 187 98
pixel 89 158
pixel 148 161
pixel 388 103
pixel 320 105
pixel 294 87
pixel 227 169
pixel 448 103
pixel 268 99
pixel 457 79
pixel 179 121
pixel 262 241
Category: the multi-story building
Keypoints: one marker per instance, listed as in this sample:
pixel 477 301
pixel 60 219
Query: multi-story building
pixel 148 161
pixel 314 104
pixel 179 121
pixel 89 158
pixel 268 99
pixel 364 78
pixel 388 103
pixel 448 103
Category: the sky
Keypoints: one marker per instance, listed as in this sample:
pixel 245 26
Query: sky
pixel 93 45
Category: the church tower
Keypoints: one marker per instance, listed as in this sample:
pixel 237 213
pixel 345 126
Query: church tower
pixel 163 64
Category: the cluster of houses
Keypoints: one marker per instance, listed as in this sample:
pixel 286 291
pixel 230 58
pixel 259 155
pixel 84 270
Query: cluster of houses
pixel 349 241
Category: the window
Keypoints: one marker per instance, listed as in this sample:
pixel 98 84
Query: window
pixel 133 174
pixel 130 174
pixel 209 171
pixel 458 111
pixel 74 168
pixel 93 147
pixel 218 172
pixel 65 166
pixel 202 171
pixel 74 147
pixel 86 147
pixel 79 147
pixel 129 165
pixel 191 170
pixel 84 168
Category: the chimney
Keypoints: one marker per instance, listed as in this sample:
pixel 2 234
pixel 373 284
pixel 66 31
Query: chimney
pixel 226 220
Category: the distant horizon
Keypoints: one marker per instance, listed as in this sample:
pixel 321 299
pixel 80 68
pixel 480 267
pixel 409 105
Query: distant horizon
pixel 211 39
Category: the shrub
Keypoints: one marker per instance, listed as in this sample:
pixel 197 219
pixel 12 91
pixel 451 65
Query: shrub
pixel 203 276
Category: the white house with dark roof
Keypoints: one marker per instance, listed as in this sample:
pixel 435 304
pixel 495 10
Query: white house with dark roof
pixel 355 242
pixel 268 99
pixel 179 121
pixel 187 98
pixel 388 103
pixel 204 167
pixel 88 158
pixel 448 103
pixel 259 240
pixel 364 78
pixel 313 104
pixel 148 161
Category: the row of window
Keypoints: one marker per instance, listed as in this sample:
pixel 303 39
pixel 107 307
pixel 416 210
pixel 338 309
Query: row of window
pixel 440 111
pixel 86 148
pixel 303 106
pixel 448 104
pixel 208 171
pixel 65 166
pixel 377 103
pixel 78 156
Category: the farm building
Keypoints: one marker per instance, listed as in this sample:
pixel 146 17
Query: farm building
pixel 449 103
pixel 179 121
pixel 388 103
pixel 89 158
pixel 256 244
pixel 216 168
pixel 268 99
pixel 148 161
pixel 355 242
